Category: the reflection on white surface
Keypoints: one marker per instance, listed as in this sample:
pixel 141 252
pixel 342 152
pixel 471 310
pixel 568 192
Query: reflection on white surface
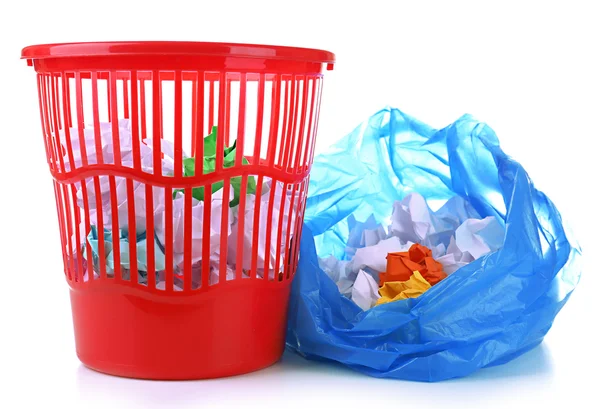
pixel 297 382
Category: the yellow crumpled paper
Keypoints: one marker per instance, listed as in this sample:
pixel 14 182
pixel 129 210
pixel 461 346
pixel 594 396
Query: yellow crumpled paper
pixel 401 290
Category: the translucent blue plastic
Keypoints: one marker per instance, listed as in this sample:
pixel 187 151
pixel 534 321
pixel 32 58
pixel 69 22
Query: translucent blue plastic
pixel 486 313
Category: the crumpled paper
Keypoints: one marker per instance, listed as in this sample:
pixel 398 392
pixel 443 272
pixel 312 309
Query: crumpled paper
pixel 160 195
pixel 197 213
pixel 141 251
pixel 126 151
pixel 401 265
pixel 141 247
pixel 340 273
pixel 209 165
pixel 479 237
pixel 374 256
pixel 107 148
pixel 474 239
pixel 454 236
pixel 365 291
pixel 334 268
pixel 262 246
pixel 142 277
pixel 178 282
pixel 454 258
pixel 401 290
pixel 413 221
pixel 139 188
pixel 138 199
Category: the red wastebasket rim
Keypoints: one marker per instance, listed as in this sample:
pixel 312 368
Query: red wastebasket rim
pixel 113 48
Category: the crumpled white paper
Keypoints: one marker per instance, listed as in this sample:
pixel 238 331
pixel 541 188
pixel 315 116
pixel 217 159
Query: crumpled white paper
pixel 335 269
pixel 374 256
pixel 262 246
pixel 365 291
pixel 340 273
pixel 479 237
pixel 107 146
pixel 345 285
pixel 138 199
pixel 413 220
pixel 139 188
pixel 159 195
pixel 89 140
pixel 197 222
pixel 455 233
pixel 454 258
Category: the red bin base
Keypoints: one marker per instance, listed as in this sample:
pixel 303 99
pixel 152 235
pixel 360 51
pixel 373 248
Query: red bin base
pixel 230 329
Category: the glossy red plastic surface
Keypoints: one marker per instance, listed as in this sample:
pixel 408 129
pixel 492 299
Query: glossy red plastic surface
pixel 265 98
pixel 149 48
pixel 236 329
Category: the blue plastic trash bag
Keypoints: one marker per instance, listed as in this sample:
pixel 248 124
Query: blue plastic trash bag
pixel 487 312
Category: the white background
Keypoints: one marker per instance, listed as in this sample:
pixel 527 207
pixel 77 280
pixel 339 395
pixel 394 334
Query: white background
pixel 530 70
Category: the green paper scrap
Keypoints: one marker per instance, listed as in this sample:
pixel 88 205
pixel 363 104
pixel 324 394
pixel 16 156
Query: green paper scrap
pixel 209 165
pixel 210 143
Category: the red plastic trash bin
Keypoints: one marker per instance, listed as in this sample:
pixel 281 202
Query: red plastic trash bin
pixel 180 172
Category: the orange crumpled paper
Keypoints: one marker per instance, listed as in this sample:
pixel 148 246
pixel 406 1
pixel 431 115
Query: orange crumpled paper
pixel 401 265
pixel 401 290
